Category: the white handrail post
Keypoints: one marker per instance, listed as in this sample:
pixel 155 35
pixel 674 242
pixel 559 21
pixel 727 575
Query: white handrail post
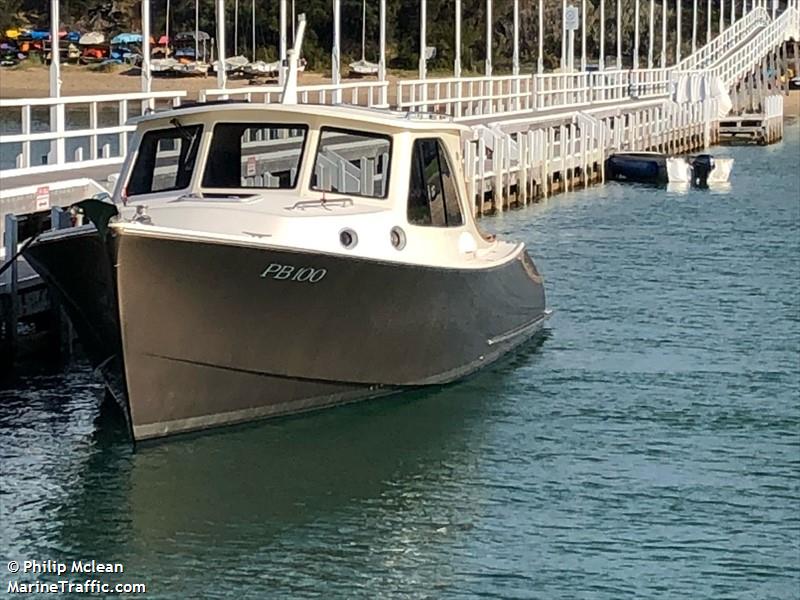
pixel 489 38
pixel 222 76
pixel 336 77
pixel 457 60
pixel 382 57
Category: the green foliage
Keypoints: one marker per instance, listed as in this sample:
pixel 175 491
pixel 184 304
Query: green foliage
pixel 114 16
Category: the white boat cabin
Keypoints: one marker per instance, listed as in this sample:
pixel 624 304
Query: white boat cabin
pixel 334 179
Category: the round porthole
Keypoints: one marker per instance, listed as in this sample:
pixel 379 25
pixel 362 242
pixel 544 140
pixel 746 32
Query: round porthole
pixel 348 238
pixel 398 238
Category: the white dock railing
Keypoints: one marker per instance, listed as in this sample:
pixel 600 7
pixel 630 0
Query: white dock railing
pixel 708 54
pixel 466 96
pixel 47 134
pixel 363 93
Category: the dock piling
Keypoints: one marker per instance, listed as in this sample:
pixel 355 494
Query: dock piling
pixel 10 299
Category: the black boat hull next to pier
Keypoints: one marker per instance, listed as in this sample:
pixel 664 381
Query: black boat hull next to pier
pixel 212 333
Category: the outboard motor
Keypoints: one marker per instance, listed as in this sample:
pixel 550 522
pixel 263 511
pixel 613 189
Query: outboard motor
pixel 702 165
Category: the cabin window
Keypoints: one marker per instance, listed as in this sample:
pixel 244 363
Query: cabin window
pixel 165 160
pixel 352 162
pixel 268 156
pixel 432 194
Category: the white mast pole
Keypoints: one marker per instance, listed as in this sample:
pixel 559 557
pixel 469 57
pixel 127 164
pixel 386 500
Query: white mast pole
pixel 55 54
pixel 663 34
pixel 539 59
pixel 602 58
pixel 196 30
pixel 694 26
pixel 652 34
pixel 563 34
pixel 236 28
pixel 733 11
pixel 282 42
pixel 636 35
pixel 146 75
pixel 619 34
pixel 721 16
pixel 166 33
pixel 336 77
pixel 221 75
pixel 423 17
pixel 457 61
pixel 515 56
pixel 253 23
pixel 382 57
pixel 708 21
pixel 363 29
pixel 488 38
pixel 678 39
pixel 583 35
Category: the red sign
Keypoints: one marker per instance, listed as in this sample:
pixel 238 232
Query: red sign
pixel 42 198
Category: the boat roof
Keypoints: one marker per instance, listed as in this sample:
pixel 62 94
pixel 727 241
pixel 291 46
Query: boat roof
pixel 383 118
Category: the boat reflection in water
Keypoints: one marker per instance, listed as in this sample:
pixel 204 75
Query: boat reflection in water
pixel 260 481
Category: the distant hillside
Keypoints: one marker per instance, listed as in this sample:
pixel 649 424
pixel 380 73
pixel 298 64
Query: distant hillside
pixel 114 16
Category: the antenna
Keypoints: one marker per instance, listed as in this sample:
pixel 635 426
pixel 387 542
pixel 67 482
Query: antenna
pixel 290 87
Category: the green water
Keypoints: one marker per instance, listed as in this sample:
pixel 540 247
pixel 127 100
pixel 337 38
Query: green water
pixel 648 446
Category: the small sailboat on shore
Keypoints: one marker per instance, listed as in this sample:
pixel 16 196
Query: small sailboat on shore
pixel 363 67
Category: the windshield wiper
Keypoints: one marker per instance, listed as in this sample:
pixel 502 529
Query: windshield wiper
pixel 185 134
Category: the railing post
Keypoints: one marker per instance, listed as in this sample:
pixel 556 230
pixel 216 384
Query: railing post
pixel 57 128
pixel 11 280
pixel 25 129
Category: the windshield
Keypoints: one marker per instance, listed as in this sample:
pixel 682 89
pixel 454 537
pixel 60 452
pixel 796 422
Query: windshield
pixel 254 155
pixel 165 160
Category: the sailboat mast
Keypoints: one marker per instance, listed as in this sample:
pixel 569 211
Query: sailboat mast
pixel 253 16
pixel 166 34
pixel 363 27
pixel 236 28
pixel 196 30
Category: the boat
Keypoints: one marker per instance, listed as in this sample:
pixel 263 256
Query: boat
pixel 233 64
pixel 654 167
pixel 259 260
pixel 259 68
pixel 363 67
